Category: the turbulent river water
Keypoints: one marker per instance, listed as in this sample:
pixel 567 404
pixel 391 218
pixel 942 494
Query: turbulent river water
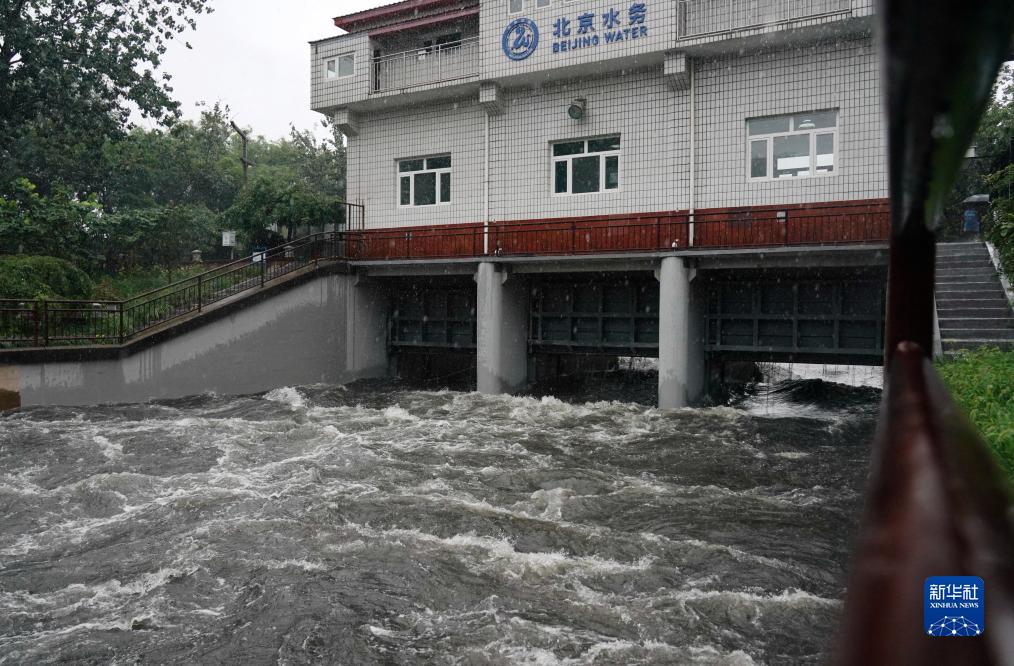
pixel 379 524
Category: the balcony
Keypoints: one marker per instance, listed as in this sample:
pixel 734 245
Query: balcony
pixel 699 18
pixel 427 65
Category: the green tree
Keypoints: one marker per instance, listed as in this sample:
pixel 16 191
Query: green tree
pixel 995 141
pixel 76 68
pixel 991 172
pixel 156 235
pixel 268 206
pixel 56 225
pixel 190 164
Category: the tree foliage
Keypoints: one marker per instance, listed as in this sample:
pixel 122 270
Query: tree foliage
pixel 992 171
pixel 56 225
pixel 77 68
pixel 42 277
pixel 78 182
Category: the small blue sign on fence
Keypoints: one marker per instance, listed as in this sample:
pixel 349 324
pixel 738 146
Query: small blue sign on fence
pixel 954 606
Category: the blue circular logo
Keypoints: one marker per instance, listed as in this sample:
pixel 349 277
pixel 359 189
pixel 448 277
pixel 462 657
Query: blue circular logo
pixel 520 39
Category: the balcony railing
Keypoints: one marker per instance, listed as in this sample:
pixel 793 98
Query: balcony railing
pixel 421 66
pixel 707 17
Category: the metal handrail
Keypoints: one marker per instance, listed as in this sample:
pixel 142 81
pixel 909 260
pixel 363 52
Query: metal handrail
pixel 424 65
pixel 726 12
pixel 60 322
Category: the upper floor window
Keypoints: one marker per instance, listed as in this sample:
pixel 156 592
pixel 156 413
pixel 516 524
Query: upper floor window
pixel 792 146
pixel 515 6
pixel 424 181
pixel 586 166
pixel 343 65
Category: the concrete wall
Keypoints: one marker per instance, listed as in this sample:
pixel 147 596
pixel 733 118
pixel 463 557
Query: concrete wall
pixel 301 336
pixel 640 106
pixel 660 24
pixel 712 23
pixel 729 90
pixel 330 93
pixel 653 122
pixel 432 129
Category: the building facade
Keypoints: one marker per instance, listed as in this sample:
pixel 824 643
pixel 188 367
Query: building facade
pixel 526 114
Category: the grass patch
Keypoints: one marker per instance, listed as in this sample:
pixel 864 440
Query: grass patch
pixel 982 383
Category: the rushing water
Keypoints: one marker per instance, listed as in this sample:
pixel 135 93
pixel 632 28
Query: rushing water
pixel 375 524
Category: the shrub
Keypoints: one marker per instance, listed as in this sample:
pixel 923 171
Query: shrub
pixel 42 277
pixel 982 383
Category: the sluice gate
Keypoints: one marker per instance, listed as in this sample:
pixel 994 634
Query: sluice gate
pixel 432 315
pixel 828 319
pixel 617 316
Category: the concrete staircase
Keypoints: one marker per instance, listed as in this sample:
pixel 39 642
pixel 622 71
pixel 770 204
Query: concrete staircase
pixel 972 306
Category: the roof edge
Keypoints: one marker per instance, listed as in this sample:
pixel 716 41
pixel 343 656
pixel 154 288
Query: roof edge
pixel 349 22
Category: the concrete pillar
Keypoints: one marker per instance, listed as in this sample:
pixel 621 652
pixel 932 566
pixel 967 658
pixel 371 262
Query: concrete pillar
pixel 502 331
pixel 366 333
pixel 680 339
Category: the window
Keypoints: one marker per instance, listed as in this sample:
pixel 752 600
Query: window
pixel 586 166
pixel 425 181
pixel 793 146
pixel 342 66
pixel 515 6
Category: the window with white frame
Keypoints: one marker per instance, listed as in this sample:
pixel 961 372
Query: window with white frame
pixel 515 6
pixel 586 166
pixel 424 181
pixel 798 145
pixel 340 67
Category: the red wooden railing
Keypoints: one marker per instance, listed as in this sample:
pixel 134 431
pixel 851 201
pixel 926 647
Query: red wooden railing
pixel 759 226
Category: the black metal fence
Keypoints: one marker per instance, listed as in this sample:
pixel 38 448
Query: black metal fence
pixel 58 323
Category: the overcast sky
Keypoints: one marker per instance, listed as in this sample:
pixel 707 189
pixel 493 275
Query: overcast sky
pixel 253 55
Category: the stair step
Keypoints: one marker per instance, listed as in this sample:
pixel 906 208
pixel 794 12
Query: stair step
pixel 957 311
pixel 965 265
pixel 976 322
pixel 947 262
pixel 970 288
pixel 960 245
pixel 977 333
pixel 957 345
pixel 978 299
pixel 964 255
pixel 965 276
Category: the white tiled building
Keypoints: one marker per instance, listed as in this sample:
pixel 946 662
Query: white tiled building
pixel 462 112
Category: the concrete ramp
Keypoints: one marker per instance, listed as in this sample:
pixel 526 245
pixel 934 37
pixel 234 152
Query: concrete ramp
pixel 314 328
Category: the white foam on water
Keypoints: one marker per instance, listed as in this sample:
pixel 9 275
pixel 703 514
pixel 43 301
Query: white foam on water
pixel 792 598
pixel 108 449
pixel 501 556
pixel 286 395
pixel 100 596
pixel 396 413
